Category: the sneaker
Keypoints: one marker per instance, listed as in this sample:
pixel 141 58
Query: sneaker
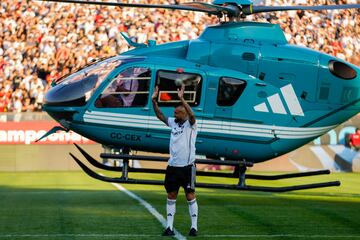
pixel 193 232
pixel 168 232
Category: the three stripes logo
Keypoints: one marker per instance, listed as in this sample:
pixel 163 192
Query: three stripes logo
pixel 277 106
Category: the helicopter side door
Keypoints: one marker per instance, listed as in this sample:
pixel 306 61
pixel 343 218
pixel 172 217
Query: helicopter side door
pixel 218 109
pixel 122 107
pixel 222 94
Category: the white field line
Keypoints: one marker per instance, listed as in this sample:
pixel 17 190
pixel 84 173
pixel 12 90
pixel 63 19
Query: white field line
pixel 62 235
pixel 203 236
pixel 281 236
pixel 150 208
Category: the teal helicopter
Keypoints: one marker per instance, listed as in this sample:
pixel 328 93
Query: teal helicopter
pixel 255 96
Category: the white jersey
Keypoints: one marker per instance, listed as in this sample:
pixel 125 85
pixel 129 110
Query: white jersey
pixel 182 143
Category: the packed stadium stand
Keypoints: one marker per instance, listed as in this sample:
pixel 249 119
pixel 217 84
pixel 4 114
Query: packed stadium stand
pixel 41 41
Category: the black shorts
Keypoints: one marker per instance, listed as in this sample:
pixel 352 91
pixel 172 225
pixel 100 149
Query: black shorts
pixel 180 176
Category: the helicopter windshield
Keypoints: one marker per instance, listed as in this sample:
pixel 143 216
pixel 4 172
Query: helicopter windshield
pixel 101 68
pixel 78 87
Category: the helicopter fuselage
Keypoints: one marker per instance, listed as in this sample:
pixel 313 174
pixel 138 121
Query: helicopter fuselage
pixel 254 95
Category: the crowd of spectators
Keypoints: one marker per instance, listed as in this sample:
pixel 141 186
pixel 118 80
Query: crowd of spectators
pixel 41 41
pixel 333 32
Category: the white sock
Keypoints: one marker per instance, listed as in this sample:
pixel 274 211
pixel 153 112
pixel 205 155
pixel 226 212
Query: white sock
pixel 170 212
pixel 193 211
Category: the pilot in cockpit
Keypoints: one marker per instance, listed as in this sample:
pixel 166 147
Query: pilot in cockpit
pixel 130 86
pixel 123 90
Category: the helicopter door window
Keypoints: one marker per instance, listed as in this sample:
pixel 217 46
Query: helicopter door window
pixel 168 83
pixel 229 91
pixel 130 88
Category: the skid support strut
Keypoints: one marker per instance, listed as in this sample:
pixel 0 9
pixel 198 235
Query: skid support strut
pixel 125 167
pixel 239 173
pixel 242 176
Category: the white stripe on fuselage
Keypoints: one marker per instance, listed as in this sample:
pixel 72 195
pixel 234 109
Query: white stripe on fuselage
pixel 127 117
pixel 209 126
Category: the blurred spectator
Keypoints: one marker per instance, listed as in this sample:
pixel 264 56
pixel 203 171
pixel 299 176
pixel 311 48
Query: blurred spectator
pixel 4 101
pixel 41 41
pixel 354 140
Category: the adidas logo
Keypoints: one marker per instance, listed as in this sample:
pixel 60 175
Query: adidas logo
pixel 277 106
pixel 194 215
pixel 169 214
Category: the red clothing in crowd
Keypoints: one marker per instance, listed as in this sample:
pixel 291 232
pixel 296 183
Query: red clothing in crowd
pixel 52 77
pixel 3 104
pixel 355 139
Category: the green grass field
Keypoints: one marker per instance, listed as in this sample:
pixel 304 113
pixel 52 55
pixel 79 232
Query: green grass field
pixel 71 205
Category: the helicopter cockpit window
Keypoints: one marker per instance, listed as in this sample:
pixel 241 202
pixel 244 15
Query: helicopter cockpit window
pixel 77 88
pixel 230 89
pixel 130 88
pixel 168 83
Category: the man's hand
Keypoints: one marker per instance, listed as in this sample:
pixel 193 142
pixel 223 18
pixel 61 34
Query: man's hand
pixel 181 92
pixel 155 94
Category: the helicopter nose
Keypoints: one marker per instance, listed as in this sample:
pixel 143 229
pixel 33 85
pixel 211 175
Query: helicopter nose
pixel 71 93
pixel 61 99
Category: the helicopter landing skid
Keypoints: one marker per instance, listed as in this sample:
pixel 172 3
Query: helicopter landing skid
pixel 239 173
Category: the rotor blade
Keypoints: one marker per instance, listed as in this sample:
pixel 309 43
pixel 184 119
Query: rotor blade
pixel 191 6
pixel 247 10
pixel 229 10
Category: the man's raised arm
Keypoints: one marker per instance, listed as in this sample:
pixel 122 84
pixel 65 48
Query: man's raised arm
pixel 157 110
pixel 188 109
